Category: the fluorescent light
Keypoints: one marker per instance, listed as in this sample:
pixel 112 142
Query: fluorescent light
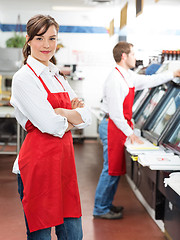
pixel 70 8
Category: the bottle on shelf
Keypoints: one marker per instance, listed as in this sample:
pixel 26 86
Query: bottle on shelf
pixel 166 57
pixel 178 55
pixel 174 55
pixel 170 55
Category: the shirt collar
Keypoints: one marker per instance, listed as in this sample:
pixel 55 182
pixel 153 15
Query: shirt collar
pixel 124 72
pixel 39 67
pixel 53 68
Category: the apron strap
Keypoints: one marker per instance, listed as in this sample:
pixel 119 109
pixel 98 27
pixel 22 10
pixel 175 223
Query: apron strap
pixel 60 83
pixel 44 85
pixel 122 76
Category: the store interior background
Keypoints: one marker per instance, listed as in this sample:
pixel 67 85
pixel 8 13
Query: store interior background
pixel 155 29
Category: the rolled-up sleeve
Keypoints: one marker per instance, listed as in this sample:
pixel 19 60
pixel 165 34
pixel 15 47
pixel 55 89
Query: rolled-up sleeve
pixel 86 117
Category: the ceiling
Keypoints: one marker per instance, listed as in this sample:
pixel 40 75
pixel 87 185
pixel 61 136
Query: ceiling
pixel 19 5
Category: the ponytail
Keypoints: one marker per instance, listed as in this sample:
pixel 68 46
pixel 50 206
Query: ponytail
pixel 26 52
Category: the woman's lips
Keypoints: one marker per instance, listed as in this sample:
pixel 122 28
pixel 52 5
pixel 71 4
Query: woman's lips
pixel 45 52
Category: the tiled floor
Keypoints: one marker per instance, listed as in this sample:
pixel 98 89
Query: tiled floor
pixel 135 225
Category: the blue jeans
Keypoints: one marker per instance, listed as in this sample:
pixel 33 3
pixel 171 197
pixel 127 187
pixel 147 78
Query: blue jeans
pixel 107 184
pixel 71 229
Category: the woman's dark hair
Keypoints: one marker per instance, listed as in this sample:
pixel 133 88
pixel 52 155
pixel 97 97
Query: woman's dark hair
pixel 34 25
pixel 119 49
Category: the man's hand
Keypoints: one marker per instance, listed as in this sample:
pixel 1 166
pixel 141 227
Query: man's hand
pixel 133 138
pixel 177 73
pixel 77 103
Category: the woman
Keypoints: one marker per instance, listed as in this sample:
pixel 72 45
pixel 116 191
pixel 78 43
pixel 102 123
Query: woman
pixel 47 108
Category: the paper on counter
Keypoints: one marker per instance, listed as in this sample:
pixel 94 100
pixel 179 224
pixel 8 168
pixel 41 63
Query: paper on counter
pixel 163 159
pixel 137 148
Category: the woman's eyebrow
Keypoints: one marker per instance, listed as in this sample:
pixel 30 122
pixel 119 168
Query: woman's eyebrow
pixel 55 35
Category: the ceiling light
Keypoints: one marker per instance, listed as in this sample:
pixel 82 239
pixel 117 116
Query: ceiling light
pixel 102 1
pixel 99 1
pixel 70 8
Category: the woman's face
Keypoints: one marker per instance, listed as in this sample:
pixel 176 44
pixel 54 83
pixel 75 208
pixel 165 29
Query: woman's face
pixel 43 47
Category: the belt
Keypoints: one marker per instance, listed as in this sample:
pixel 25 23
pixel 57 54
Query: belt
pixel 106 115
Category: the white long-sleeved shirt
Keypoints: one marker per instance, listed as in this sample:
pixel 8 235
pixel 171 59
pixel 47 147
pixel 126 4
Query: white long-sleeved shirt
pixel 29 99
pixel 116 89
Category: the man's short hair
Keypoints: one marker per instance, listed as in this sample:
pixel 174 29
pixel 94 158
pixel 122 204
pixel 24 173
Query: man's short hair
pixel 119 49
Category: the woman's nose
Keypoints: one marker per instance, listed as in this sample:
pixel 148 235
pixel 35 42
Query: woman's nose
pixel 46 43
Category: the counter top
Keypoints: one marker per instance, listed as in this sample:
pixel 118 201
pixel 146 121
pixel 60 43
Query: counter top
pixel 152 156
pixel 174 182
pixel 6 112
pixel 160 161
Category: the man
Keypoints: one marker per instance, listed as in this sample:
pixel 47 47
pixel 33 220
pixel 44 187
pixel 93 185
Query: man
pixel 118 97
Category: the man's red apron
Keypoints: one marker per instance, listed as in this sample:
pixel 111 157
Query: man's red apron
pixel 117 139
pixel 48 172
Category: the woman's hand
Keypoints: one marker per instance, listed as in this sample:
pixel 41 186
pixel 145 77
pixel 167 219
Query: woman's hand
pixel 77 103
pixel 70 126
pixel 60 111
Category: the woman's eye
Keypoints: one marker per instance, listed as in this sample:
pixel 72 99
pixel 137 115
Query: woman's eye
pixel 38 38
pixel 53 38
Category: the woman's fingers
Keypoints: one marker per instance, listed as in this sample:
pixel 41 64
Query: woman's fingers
pixel 76 103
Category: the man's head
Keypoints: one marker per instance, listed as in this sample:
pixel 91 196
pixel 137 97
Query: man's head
pixel 123 54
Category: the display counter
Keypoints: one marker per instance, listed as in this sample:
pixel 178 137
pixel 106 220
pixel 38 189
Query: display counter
pixel 172 206
pixel 158 123
pixel 147 175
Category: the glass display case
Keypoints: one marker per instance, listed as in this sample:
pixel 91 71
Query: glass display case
pixel 142 103
pixel 139 96
pixel 142 100
pixel 171 140
pixel 158 122
pixel 149 105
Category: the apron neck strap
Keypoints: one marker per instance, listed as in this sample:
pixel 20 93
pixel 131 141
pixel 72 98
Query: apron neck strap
pixel 122 76
pixel 44 85
pixel 60 83
pixel 46 88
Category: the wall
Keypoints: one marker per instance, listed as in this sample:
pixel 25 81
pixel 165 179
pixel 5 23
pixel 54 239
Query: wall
pixel 90 51
pixel 157 28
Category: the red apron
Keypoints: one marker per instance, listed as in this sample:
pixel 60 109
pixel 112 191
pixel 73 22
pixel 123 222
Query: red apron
pixel 48 172
pixel 117 139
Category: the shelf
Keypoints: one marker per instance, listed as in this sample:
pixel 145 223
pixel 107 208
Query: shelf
pixel 8 149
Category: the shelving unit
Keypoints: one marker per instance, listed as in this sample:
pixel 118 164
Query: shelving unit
pixel 10 141
pixel 77 86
